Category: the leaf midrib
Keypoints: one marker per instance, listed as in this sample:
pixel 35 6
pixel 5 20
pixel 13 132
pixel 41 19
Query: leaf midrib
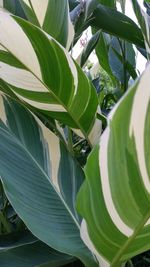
pixel 58 100
pixel 122 250
pixel 44 174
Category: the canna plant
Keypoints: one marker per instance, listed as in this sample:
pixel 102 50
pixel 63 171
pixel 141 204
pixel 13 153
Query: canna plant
pixel 53 115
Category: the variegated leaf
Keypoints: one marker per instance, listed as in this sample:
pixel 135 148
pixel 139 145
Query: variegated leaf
pixel 42 74
pixel 144 21
pixel 115 199
pixel 41 180
pixel 52 17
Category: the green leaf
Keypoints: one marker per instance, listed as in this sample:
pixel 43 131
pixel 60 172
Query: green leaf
pixel 115 198
pixel 14 7
pixel 144 20
pixel 52 17
pixel 31 162
pixel 117 24
pixel 119 54
pixel 129 67
pixel 16 239
pixel 9 5
pixel 35 67
pixel 33 255
pixel 89 48
pixel 102 52
pixel 91 5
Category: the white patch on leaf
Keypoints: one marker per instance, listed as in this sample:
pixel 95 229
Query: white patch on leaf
pixel 42 106
pixel 40 9
pixel 20 78
pixel 137 123
pixel 27 2
pixel 16 42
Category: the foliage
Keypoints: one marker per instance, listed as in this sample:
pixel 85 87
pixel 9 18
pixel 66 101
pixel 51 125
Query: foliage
pixel 56 118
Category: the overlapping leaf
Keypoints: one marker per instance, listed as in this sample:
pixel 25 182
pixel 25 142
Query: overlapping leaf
pixel 31 255
pixel 41 73
pixel 117 24
pixel 144 21
pixel 52 17
pixel 35 183
pixel 115 199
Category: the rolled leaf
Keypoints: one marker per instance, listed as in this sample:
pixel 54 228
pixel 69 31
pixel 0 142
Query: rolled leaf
pixel 89 48
pixel 115 198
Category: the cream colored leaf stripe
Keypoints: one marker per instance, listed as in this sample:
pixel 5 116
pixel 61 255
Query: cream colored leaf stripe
pixel 115 199
pixel 42 74
pixel 42 9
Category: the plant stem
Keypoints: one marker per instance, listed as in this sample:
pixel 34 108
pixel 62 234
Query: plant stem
pixel 70 142
pixel 123 51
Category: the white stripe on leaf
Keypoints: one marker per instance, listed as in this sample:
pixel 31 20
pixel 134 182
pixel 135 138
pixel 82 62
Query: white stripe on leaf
pixel 2 110
pixel 148 222
pixel 137 123
pixel 86 239
pixel 52 147
pixel 42 106
pixel 103 165
pixel 2 48
pixel 40 8
pixel 72 69
pixel 20 78
pixel 95 133
pixel 71 32
pixel 14 40
pixel 27 2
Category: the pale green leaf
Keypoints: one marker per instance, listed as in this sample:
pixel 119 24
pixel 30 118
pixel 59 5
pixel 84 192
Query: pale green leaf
pixel 115 199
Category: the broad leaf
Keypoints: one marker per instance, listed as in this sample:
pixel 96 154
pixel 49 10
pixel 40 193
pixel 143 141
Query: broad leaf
pixel 115 199
pixel 90 5
pixel 16 239
pixel 31 161
pixel 42 74
pixel 52 17
pixel 117 24
pixel 33 255
pixel 119 54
